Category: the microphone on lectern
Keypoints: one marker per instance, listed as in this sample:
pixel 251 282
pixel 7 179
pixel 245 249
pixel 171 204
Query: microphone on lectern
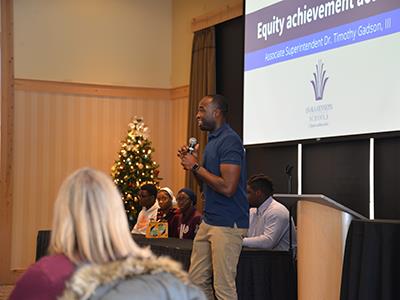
pixel 288 171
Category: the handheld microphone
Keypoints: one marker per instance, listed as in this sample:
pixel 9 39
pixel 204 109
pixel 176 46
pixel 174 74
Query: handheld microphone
pixel 192 144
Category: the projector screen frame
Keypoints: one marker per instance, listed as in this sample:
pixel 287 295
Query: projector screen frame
pixel 335 139
pixel 353 134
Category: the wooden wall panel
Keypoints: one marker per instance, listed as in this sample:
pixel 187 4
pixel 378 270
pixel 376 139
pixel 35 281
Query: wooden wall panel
pixel 6 138
pixel 56 133
pixel 180 137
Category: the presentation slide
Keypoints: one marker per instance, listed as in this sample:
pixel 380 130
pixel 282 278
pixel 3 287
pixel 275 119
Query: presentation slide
pixel 316 69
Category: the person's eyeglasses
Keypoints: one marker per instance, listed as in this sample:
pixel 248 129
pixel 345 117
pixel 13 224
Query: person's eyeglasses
pixel 181 199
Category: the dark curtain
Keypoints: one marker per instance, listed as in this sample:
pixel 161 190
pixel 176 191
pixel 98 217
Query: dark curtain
pixel 202 83
pixel 339 170
pixel 229 46
pixel 371 266
pixel 387 174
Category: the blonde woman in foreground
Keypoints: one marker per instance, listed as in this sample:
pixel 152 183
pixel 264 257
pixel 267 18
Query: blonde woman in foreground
pixel 93 255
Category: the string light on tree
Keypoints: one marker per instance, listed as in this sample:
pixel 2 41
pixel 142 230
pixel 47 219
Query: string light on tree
pixel 134 167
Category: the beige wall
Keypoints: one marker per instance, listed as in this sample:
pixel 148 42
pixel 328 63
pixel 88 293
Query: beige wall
pixel 115 42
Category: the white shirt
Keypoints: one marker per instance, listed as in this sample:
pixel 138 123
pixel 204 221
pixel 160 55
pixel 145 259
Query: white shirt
pixel 144 218
pixel 269 227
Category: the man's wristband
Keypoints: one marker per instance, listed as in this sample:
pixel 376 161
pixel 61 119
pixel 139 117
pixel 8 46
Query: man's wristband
pixel 195 167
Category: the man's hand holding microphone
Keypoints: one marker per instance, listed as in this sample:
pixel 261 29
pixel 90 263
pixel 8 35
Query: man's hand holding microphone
pixel 188 155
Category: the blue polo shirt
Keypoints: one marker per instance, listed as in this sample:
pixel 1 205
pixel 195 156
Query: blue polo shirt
pixel 225 147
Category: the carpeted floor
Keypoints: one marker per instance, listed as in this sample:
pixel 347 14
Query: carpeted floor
pixel 5 291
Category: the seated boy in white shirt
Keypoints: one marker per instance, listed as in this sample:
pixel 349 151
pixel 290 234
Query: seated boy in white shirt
pixel 147 199
pixel 269 219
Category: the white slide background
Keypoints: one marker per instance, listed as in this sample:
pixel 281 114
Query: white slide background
pixel 362 94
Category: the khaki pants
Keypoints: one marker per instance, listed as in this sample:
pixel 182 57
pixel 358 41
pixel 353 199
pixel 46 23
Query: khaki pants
pixel 214 259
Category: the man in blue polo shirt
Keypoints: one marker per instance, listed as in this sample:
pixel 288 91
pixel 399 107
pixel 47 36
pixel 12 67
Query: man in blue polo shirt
pixel 222 176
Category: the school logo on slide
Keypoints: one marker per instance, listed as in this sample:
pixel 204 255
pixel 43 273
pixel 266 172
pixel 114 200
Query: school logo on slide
pixel 319 114
pixel 319 81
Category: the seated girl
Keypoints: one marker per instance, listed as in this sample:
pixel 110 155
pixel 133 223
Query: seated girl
pixel 166 211
pixel 187 222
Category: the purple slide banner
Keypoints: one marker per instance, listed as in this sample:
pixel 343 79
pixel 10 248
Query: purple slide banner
pixel 369 28
pixel 284 9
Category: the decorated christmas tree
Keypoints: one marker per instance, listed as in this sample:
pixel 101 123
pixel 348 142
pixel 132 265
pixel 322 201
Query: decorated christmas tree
pixel 134 167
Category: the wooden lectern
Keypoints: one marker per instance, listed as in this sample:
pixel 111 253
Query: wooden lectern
pixel 322 226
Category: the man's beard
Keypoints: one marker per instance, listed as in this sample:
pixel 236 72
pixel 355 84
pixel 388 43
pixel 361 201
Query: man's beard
pixel 207 125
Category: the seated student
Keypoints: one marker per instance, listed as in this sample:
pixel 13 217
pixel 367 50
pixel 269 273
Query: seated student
pixel 166 211
pixel 185 224
pixel 93 255
pixel 147 199
pixel 269 219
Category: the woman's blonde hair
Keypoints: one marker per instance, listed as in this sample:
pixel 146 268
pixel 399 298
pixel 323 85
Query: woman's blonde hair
pixel 89 223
